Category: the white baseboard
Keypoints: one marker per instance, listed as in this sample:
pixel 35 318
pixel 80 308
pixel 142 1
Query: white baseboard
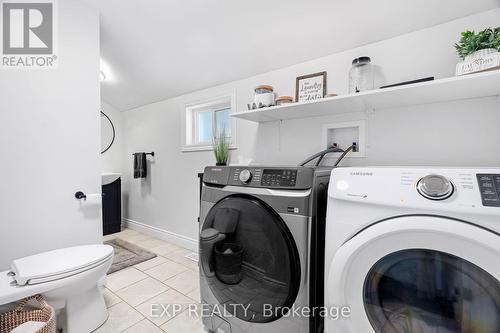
pixel 180 240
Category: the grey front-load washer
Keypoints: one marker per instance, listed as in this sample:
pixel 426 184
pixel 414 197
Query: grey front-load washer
pixel 262 248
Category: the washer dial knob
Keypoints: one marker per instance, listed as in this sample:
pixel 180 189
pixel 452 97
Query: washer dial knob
pixel 245 176
pixel 435 187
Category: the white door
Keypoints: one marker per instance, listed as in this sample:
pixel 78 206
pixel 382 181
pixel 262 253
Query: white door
pixel 418 274
pixel 50 143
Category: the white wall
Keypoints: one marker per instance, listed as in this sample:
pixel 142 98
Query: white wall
pixel 112 159
pixel 463 133
pixel 49 144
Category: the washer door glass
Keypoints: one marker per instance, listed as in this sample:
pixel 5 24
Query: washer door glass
pixel 257 266
pixel 426 291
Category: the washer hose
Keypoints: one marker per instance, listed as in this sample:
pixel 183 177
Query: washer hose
pixel 322 154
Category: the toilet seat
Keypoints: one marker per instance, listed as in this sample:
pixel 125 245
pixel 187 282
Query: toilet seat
pixel 57 264
pixel 69 279
pixel 42 280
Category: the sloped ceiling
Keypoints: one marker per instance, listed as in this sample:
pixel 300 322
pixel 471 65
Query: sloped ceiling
pixel 153 50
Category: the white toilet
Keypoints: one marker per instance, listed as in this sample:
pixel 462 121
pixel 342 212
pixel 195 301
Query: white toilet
pixel 68 278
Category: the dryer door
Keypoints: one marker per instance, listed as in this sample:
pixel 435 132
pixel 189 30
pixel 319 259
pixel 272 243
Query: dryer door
pixel 255 264
pixel 417 274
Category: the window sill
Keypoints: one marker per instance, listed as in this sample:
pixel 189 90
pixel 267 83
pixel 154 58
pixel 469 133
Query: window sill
pixel 188 149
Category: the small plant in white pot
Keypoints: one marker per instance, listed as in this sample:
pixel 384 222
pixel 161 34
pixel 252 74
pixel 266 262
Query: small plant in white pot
pixel 221 145
pixel 479 51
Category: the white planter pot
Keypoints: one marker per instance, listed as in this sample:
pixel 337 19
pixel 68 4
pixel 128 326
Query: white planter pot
pixel 479 54
pixel 479 61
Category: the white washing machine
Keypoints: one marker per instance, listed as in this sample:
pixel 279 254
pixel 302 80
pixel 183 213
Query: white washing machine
pixel 413 250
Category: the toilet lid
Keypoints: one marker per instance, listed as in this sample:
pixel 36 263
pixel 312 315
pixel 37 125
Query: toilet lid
pixel 59 263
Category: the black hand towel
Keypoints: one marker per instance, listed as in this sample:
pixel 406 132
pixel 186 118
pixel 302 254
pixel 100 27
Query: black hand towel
pixel 140 167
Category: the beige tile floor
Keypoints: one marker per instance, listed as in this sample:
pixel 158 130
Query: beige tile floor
pixel 167 279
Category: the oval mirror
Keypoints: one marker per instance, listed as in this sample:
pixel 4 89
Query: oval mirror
pixel 107 133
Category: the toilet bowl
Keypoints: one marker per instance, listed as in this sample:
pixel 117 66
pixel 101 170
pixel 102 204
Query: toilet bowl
pixel 68 278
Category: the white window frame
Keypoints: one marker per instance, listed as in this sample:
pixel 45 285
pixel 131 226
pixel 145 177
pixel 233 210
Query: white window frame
pixel 191 126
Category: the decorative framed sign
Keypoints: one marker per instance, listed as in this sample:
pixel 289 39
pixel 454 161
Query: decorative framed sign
pixel 310 87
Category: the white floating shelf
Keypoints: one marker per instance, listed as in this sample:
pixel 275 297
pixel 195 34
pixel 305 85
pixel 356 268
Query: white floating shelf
pixel 484 84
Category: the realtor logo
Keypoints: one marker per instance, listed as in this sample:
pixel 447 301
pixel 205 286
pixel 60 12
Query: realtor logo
pixel 28 34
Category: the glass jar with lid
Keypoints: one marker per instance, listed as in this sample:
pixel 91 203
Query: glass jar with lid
pixel 361 75
pixel 264 96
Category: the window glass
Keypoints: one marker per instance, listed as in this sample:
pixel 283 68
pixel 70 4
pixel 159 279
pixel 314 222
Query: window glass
pixel 223 122
pixel 206 120
pixel 426 291
pixel 205 127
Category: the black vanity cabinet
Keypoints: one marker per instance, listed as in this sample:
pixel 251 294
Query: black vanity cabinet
pixel 112 207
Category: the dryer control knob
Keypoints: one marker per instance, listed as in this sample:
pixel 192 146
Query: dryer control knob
pixel 435 187
pixel 245 176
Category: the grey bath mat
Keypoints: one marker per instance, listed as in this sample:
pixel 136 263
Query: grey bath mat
pixel 127 254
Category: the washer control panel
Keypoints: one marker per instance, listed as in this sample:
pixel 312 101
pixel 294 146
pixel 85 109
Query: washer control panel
pixel 430 189
pixel 279 177
pixel 284 178
pixel 489 186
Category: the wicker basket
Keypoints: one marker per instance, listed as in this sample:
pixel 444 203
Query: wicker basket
pixel 22 313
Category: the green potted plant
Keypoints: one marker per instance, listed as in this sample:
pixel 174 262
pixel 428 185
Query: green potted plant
pixel 221 148
pixel 479 51
pixel 485 42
